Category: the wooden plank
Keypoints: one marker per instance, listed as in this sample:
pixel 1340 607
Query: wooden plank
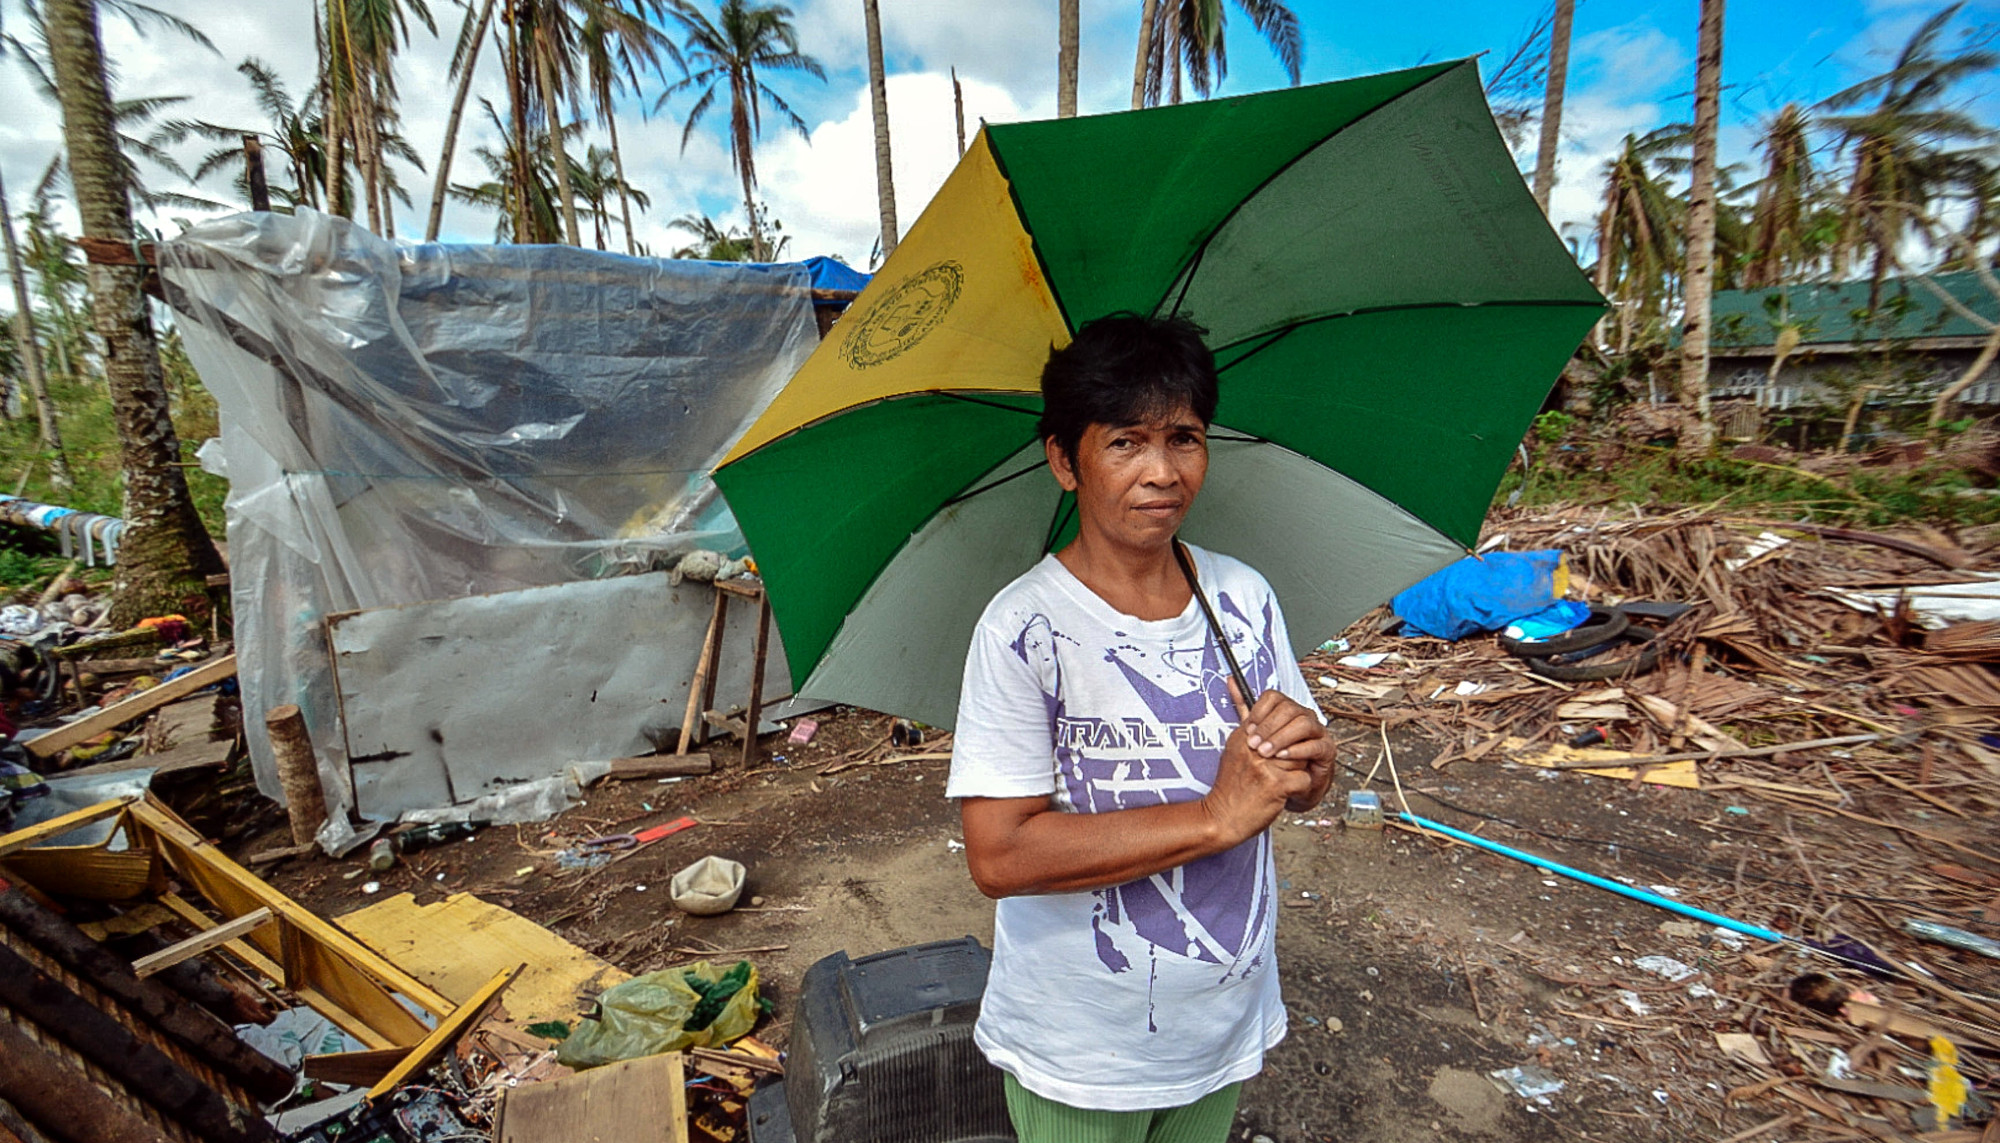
pixel 191 756
pixel 117 714
pixel 659 766
pixel 457 944
pixel 21 839
pixel 239 948
pixel 631 1101
pixel 447 1033
pixel 217 876
pixel 200 943
pixel 355 1069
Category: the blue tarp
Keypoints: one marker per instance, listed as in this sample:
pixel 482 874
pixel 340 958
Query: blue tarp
pixel 1485 593
pixel 828 274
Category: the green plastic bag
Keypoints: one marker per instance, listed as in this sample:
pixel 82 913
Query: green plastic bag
pixel 695 1006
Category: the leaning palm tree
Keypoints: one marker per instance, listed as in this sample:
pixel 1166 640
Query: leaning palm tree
pixel 1780 242
pixel 1899 145
pixel 1639 230
pixel 29 353
pixel 1186 36
pixel 464 61
pixel 727 53
pixel 166 554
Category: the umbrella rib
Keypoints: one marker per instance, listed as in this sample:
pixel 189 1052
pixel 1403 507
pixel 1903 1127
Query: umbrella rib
pixel 1028 471
pixel 1065 504
pixel 1272 337
pixel 956 396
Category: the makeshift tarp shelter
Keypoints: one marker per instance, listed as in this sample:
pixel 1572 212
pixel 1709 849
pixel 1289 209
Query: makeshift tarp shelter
pixel 445 426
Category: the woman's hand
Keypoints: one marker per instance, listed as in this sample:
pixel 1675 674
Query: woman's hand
pixel 1280 729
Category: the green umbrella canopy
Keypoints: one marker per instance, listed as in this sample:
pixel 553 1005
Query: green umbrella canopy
pixel 1387 306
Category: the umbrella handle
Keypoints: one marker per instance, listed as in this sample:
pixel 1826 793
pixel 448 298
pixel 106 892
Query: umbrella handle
pixel 1222 641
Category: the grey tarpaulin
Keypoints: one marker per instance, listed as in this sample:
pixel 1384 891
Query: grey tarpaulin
pixel 412 423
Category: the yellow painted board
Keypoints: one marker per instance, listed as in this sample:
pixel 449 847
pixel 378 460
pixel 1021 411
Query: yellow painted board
pixel 89 872
pixel 1682 775
pixel 456 945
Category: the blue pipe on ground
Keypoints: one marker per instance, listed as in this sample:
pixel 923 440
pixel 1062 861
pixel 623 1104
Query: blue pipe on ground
pixel 1619 888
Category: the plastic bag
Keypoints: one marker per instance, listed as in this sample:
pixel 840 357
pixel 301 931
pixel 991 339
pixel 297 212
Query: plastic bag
pixel 1482 593
pixel 695 1006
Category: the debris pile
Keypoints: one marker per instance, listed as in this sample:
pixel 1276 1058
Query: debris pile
pixel 1834 692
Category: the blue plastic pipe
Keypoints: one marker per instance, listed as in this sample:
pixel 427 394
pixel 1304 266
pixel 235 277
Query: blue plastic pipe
pixel 1667 903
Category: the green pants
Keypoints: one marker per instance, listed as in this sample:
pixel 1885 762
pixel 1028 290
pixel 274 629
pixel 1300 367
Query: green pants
pixel 1039 1120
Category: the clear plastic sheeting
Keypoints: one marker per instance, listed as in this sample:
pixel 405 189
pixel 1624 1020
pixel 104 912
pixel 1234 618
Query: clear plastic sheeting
pixel 412 423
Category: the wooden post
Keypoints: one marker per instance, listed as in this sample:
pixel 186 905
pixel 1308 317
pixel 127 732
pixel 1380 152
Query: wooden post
pixel 305 802
pixel 147 1071
pixel 60 1099
pixel 188 1024
pixel 704 673
pixel 756 707
pixel 253 173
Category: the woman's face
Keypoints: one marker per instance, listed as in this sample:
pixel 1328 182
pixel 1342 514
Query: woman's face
pixel 1135 483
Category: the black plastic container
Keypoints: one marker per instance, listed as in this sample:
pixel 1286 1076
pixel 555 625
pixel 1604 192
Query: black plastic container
pixel 882 1052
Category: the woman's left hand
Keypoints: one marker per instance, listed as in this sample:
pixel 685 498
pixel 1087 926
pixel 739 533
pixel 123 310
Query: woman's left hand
pixel 1281 729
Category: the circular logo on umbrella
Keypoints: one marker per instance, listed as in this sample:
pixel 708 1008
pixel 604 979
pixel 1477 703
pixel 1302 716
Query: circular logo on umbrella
pixel 905 316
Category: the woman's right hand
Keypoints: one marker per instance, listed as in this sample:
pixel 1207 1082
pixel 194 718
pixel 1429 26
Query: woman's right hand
pixel 1251 790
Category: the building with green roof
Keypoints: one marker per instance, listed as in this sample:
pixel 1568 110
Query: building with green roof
pixel 1912 346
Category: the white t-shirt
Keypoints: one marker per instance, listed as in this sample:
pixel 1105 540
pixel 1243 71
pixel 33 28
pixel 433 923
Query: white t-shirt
pixel 1157 992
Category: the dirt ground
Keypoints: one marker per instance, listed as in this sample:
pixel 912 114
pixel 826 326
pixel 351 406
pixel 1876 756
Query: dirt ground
pixel 1412 968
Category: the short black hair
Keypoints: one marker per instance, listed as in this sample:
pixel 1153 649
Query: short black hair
pixel 1123 369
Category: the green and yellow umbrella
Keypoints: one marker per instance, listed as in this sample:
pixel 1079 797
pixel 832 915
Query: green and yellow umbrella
pixel 1387 306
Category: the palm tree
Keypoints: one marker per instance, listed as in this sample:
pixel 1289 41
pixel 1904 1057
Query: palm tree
pixel 526 210
pixel 1780 243
pixel 359 41
pixel 1698 280
pixel 597 179
pixel 464 60
pixel 1179 36
pixel 1552 103
pixel 616 45
pixel 30 353
pixel 296 130
pixel 727 53
pixel 59 279
pixel 1900 165
pixel 166 555
pixel 1638 229
pixel 1068 17
pixel 878 95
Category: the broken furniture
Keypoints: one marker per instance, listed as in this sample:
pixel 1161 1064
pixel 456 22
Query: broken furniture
pixel 126 851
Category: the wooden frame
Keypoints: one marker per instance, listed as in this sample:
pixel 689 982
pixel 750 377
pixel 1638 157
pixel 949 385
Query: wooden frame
pixel 338 976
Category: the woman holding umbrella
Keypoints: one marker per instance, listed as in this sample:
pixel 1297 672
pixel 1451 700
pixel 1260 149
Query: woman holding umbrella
pixel 1115 789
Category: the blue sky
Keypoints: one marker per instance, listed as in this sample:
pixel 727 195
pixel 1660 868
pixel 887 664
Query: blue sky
pixel 1632 70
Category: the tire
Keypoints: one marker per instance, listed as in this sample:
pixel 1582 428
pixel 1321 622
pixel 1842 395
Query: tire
pixel 1643 664
pixel 1604 625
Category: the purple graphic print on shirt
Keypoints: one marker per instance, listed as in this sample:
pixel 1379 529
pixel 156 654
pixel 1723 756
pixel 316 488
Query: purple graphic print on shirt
pixel 1214 910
